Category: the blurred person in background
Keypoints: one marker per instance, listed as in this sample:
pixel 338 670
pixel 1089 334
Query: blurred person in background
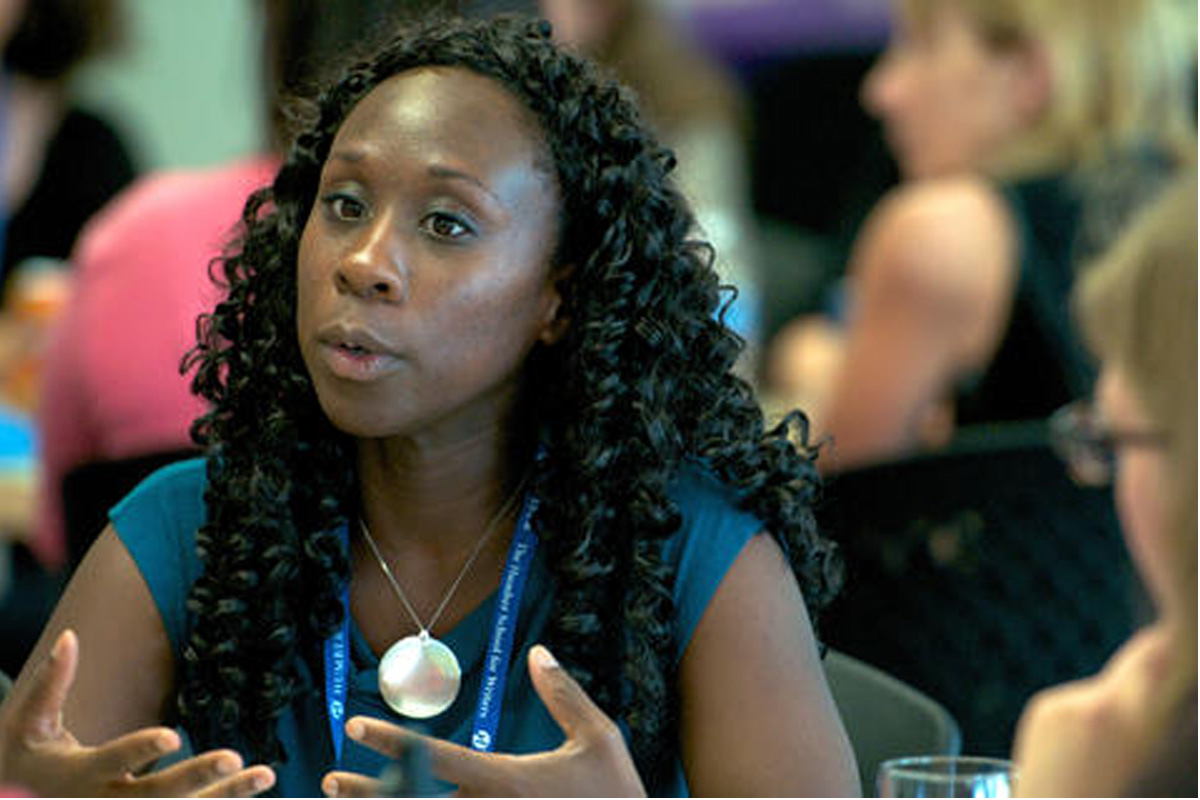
pixel 699 109
pixel 1131 729
pixel 59 163
pixel 1026 133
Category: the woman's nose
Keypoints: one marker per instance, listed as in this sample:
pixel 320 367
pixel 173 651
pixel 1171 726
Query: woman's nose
pixel 373 267
pixel 878 92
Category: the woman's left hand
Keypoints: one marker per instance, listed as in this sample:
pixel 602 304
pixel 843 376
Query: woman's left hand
pixel 593 761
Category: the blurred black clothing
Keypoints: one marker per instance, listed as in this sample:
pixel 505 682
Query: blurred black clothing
pixel 1063 222
pixel 86 163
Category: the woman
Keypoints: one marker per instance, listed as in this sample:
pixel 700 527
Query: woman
pixel 1026 133
pixel 464 326
pixel 1131 730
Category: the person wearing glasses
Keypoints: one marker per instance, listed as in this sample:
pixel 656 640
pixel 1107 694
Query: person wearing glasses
pixel 1026 133
pixel 1131 729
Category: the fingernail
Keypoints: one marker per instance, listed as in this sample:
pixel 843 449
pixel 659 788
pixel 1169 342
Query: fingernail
pixel 543 658
pixel 263 782
pixel 331 787
pixel 56 652
pixel 227 766
pixel 355 729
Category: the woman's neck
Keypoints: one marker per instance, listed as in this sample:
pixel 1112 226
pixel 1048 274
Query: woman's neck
pixel 441 498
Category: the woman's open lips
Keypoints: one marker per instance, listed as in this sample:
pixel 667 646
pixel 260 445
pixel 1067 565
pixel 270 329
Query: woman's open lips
pixel 354 354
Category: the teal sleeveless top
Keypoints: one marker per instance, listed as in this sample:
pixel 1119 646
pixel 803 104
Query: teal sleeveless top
pixel 158 521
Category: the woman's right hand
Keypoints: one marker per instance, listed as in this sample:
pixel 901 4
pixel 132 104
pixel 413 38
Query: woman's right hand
pixel 39 754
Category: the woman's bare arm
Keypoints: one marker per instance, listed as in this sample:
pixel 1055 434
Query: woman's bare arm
pixel 757 716
pixel 126 668
pixel 932 284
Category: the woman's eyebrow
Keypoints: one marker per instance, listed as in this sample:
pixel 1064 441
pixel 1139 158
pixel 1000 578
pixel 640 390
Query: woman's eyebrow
pixel 449 173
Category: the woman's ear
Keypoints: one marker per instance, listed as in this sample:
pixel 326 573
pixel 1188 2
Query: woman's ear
pixel 554 322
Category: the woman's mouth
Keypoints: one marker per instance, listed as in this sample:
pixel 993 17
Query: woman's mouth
pixel 355 363
pixel 354 355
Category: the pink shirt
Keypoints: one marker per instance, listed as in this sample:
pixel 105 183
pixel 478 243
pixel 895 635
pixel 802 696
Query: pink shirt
pixel 111 385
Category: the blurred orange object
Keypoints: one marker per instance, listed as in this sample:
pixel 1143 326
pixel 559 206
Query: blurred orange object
pixel 37 296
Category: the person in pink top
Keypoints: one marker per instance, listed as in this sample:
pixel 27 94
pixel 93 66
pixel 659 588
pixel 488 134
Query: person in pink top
pixel 112 387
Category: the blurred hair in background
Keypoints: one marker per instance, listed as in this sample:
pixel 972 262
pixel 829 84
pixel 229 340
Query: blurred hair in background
pixel 54 37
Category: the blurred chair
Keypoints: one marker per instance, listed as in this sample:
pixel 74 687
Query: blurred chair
pixel 91 489
pixel 979 575
pixel 886 718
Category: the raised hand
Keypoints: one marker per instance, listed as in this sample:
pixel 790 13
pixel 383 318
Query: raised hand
pixel 38 753
pixel 593 761
pixel 1091 737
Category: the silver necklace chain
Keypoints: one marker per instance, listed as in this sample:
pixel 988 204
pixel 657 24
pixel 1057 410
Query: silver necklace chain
pixel 424 630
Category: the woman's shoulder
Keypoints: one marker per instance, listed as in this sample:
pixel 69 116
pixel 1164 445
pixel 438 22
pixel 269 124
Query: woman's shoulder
pixel 706 502
pixel 941 255
pixel 178 481
pixel 160 517
pixel 712 533
pixel 943 235
pixel 157 523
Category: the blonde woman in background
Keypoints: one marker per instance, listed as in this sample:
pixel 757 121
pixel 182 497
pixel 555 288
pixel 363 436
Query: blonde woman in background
pixel 1131 729
pixel 1026 133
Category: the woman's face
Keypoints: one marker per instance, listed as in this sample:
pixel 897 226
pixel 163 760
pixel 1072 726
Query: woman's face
pixel 945 97
pixel 1141 472
pixel 424 275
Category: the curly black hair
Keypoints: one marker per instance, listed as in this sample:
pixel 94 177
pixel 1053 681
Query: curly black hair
pixel 641 382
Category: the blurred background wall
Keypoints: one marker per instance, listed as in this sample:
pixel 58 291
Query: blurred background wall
pixel 178 89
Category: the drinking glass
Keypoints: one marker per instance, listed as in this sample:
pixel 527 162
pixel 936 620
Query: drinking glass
pixel 945 776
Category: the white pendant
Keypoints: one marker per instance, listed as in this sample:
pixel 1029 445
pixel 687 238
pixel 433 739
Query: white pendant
pixel 419 676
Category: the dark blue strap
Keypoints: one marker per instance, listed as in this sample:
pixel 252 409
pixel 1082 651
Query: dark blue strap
pixel 337 661
pixel 504 627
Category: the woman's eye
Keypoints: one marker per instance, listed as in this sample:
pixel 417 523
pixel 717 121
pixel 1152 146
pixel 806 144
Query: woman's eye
pixel 344 207
pixel 446 226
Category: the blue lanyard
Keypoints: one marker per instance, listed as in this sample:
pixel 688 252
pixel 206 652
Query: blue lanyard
pixel 337 657
pixel 504 627
pixel 496 659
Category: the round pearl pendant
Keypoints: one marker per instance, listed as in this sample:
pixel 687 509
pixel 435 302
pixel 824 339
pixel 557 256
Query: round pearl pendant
pixel 419 676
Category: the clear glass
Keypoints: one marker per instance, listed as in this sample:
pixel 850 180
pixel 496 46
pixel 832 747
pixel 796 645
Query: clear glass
pixel 945 776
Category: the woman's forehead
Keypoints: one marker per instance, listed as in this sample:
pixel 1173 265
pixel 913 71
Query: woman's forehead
pixel 444 101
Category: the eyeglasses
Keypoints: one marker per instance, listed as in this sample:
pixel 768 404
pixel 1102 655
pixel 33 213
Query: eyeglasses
pixel 1089 449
